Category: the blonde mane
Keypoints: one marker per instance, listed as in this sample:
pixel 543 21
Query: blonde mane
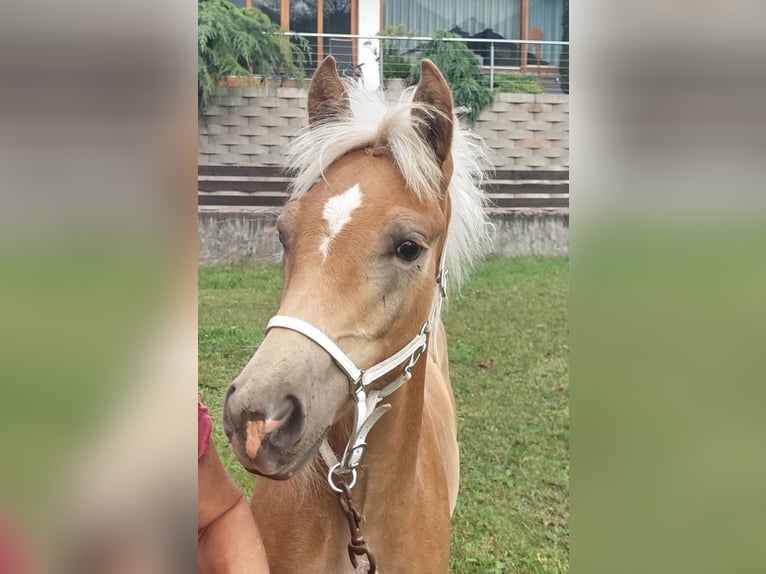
pixel 383 125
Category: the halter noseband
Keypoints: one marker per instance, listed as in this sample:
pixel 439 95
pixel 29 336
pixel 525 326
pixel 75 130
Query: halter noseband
pixel 366 409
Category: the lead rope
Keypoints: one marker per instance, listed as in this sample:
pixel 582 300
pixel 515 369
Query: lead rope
pixel 357 547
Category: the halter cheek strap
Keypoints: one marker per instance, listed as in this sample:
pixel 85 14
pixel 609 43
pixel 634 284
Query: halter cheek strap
pixel 366 409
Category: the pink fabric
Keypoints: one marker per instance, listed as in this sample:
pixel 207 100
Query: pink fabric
pixel 11 552
pixel 204 427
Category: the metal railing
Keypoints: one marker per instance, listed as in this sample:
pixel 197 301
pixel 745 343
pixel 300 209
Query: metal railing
pixel 373 56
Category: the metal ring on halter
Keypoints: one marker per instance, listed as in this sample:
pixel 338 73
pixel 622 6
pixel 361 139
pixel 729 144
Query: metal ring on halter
pixel 332 483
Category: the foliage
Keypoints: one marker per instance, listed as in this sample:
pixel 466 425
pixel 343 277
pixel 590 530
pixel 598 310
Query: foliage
pixel 512 513
pixel 564 58
pixel 470 88
pixel 236 41
pixel 395 65
pixel 518 83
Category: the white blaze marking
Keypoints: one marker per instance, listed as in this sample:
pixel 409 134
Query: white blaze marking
pixel 337 213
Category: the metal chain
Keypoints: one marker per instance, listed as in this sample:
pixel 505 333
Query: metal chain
pixel 358 545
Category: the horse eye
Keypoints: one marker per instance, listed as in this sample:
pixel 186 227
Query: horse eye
pixel 408 250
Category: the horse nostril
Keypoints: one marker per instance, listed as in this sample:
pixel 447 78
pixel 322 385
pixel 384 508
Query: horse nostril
pixel 282 427
pixel 282 412
pixel 291 424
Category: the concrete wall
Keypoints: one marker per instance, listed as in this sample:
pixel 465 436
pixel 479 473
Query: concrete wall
pixel 231 237
pixel 252 126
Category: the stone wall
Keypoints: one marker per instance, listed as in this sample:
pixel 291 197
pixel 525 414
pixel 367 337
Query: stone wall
pixel 527 131
pixel 252 126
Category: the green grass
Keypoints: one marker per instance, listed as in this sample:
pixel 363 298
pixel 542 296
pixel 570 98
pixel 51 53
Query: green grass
pixel 512 513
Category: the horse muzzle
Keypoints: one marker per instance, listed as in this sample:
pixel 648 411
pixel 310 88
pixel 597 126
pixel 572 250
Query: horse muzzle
pixel 266 440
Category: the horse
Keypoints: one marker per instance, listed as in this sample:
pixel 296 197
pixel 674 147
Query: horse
pixel 346 410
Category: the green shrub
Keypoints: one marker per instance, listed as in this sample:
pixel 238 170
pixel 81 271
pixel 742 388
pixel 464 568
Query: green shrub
pixel 395 66
pixel 470 88
pixel 518 83
pixel 234 41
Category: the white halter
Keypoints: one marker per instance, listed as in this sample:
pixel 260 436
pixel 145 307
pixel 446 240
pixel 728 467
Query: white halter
pixel 366 409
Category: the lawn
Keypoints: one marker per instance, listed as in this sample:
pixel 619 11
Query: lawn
pixel 508 340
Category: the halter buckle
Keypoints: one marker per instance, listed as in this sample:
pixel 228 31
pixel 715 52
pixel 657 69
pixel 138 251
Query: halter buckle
pixel 441 281
pixel 355 456
pixel 356 387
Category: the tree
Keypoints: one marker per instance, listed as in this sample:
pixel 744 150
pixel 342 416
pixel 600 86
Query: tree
pixel 236 41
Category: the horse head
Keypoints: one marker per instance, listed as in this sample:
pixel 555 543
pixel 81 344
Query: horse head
pixel 363 237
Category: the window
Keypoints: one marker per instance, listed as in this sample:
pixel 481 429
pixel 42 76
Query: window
pixel 272 9
pixel 545 16
pixel 313 16
pixel 490 19
pixel 428 16
pixel 337 20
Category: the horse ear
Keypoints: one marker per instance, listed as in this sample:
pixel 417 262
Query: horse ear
pixel 434 127
pixel 327 94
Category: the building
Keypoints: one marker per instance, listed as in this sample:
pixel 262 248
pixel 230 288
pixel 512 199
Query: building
pixel 506 19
